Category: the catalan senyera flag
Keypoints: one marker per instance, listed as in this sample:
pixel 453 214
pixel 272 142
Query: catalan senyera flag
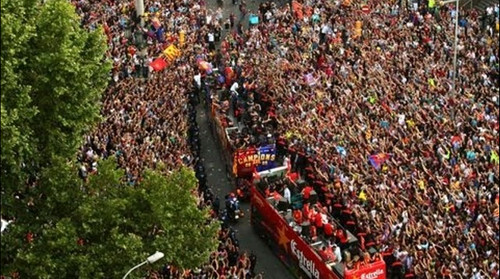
pixel 171 52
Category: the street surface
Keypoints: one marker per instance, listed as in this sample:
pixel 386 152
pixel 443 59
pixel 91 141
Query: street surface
pixel 267 262
pixel 218 179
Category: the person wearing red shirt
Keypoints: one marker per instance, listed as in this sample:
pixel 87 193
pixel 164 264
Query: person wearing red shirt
pixel 330 254
pixel 318 222
pixel 307 213
pixel 313 233
pixel 297 216
pixel 342 238
pixel 328 230
pixel 306 192
pixel 323 253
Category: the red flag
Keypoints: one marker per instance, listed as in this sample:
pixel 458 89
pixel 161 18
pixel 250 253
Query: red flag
pixel 158 64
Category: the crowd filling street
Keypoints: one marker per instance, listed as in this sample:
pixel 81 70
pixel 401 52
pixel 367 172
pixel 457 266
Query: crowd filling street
pixel 362 102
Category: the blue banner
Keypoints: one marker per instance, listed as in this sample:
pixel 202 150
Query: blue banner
pixel 267 157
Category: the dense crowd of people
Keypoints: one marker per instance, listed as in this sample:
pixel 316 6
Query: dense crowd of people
pixel 226 262
pixel 145 119
pixel 149 116
pixel 365 106
pixel 368 109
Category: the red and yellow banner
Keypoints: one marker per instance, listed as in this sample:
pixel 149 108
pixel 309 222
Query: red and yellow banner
pixel 172 53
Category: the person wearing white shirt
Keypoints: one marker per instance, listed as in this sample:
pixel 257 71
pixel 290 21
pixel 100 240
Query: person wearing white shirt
pixel 234 88
pixel 287 195
pixel 338 253
pixel 211 41
pixel 325 30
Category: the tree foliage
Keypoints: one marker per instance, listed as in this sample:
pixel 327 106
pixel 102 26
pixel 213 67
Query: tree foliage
pixel 53 76
pixel 113 226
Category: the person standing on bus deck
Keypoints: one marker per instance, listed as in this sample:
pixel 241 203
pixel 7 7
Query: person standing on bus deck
pixel 287 195
pixel 341 237
pixel 297 216
pixel 318 222
pixel 307 212
pixel 328 230
pixel 313 233
pixel 329 252
pixel 306 193
pixel 337 252
pixel 323 253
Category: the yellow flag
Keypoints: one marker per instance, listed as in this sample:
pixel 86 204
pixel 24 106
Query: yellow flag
pixel 172 52
pixel 358 24
pixel 182 37
pixel 447 156
pixel 368 135
pixel 421 184
pixel 432 3
pixel 432 83
pixel 494 157
pixel 362 195
pixel 357 32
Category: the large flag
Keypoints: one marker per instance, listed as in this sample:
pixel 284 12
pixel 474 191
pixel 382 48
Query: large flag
pixel 378 159
pixel 158 64
pixel 172 52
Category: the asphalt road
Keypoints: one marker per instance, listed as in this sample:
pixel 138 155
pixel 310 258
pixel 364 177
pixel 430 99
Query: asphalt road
pixel 218 179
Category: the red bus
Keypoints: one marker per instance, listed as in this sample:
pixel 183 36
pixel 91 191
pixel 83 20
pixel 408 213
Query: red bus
pixel 298 253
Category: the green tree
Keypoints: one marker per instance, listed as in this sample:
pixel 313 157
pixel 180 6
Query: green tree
pixel 114 226
pixel 53 76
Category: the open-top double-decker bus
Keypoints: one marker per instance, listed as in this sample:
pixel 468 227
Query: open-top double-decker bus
pixel 296 250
